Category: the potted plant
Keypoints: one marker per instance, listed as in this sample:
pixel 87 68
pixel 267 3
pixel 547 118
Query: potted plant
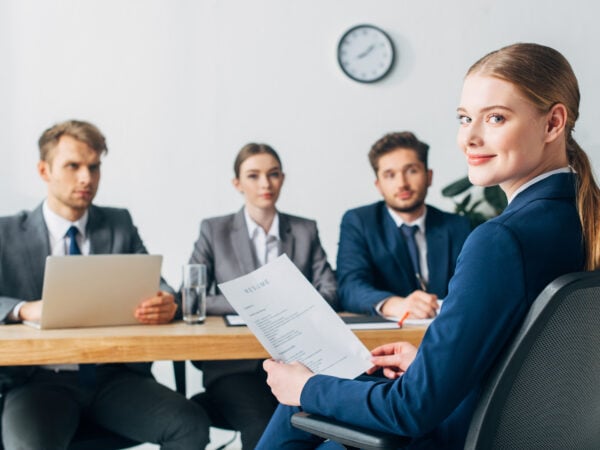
pixel 479 204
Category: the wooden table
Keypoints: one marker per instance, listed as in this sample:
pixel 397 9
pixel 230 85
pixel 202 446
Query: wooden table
pixel 23 345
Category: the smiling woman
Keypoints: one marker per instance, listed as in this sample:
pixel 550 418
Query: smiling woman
pixel 506 141
pixel 517 112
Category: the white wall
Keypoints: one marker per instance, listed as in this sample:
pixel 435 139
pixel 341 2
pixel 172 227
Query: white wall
pixel 179 86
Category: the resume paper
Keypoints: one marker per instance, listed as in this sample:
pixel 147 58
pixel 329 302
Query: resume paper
pixel 293 322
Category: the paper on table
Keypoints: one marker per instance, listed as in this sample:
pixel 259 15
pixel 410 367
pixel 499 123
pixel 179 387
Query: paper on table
pixel 352 322
pixel 293 322
pixel 419 322
pixel 234 320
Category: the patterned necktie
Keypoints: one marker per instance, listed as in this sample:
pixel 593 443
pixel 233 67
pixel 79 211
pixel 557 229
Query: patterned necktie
pixel 409 237
pixel 87 372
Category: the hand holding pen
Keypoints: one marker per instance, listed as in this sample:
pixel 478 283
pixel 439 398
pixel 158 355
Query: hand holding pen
pixel 419 304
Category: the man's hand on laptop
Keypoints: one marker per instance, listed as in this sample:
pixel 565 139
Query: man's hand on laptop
pixel 156 310
pixel 31 311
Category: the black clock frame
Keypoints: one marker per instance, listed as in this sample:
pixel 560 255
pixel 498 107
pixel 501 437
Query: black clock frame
pixel 387 36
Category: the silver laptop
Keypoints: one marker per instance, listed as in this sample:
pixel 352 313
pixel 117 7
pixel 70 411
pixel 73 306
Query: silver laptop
pixel 96 290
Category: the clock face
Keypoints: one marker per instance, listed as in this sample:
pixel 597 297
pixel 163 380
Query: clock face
pixel 365 53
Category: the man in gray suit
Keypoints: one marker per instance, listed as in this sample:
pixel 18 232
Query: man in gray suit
pixel 43 404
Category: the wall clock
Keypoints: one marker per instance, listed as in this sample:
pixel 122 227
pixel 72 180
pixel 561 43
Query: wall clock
pixel 366 53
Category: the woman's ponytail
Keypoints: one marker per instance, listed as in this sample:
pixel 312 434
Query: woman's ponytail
pixel 588 202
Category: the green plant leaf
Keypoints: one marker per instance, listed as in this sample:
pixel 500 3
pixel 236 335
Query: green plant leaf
pixel 474 206
pixel 458 187
pixel 465 202
pixel 496 198
pixel 492 196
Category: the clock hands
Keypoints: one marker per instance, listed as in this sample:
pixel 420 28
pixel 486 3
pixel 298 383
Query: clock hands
pixel 366 52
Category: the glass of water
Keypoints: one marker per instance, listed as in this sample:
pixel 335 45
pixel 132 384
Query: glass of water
pixel 194 293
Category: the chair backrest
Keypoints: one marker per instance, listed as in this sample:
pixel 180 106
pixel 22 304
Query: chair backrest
pixel 544 392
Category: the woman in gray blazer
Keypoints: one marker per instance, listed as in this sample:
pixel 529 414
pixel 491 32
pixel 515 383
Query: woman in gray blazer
pixel 236 394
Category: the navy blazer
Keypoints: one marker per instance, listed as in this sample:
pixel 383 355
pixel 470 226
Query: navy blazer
pixel 504 265
pixel 24 245
pixel 373 262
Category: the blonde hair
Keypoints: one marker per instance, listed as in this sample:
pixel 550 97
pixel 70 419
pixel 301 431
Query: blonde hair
pixel 546 78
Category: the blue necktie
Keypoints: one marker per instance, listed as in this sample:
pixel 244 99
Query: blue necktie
pixel 72 233
pixel 409 232
pixel 87 372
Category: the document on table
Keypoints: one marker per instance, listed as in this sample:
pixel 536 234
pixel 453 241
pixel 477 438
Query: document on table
pixel 418 322
pixel 352 322
pixel 293 322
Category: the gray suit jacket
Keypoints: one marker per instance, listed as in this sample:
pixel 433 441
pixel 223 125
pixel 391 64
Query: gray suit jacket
pixel 24 246
pixel 226 249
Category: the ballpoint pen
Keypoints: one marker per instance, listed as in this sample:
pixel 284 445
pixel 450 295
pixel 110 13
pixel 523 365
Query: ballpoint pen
pixel 401 321
pixel 421 281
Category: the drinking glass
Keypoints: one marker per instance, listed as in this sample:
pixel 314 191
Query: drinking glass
pixel 194 293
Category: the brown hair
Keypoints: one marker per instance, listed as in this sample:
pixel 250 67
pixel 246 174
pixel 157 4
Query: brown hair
pixel 252 149
pixel 77 129
pixel 546 78
pixel 393 141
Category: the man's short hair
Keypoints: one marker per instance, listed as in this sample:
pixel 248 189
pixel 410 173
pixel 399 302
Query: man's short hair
pixel 77 129
pixel 393 141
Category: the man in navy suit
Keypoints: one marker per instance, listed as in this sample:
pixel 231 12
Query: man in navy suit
pixel 43 404
pixel 375 271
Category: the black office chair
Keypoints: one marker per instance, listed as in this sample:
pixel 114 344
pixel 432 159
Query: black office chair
pixel 544 391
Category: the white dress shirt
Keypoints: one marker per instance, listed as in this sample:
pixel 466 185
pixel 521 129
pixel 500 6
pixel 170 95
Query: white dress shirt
pixel 57 230
pixel 59 246
pixel 266 245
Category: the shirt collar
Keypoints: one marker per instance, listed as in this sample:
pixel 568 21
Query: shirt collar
pixel 254 228
pixel 538 179
pixel 420 221
pixel 58 226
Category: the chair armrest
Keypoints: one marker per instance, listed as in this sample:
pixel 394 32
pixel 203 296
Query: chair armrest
pixel 348 434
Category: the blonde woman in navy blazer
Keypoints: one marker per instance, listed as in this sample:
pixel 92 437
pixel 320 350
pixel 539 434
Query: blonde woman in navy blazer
pixel 517 113
pixel 236 392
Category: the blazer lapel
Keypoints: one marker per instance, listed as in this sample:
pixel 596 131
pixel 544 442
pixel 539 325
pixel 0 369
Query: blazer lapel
pixel 286 236
pixel 100 235
pixel 37 245
pixel 242 246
